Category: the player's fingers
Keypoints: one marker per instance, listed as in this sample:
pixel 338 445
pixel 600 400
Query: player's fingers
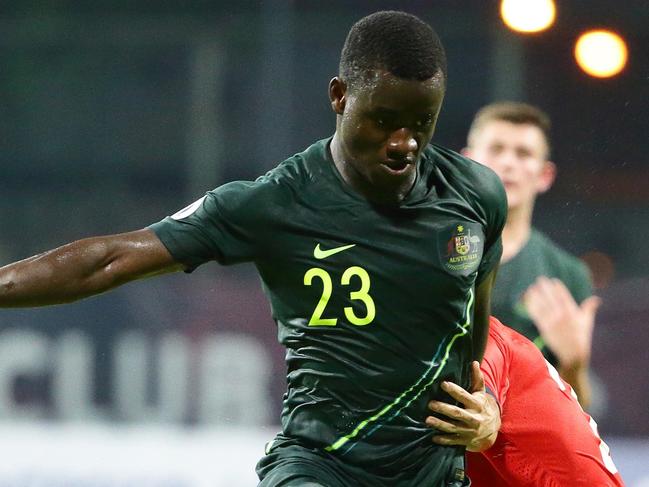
pixel 547 292
pixel 440 424
pixel 448 440
pixel 448 410
pixel 448 427
pixel 460 394
pixel 563 297
pixel 534 301
pixel 477 380
pixel 460 417
pixel 541 307
pixel 590 306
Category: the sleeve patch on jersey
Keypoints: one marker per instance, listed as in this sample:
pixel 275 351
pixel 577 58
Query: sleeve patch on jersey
pixel 188 210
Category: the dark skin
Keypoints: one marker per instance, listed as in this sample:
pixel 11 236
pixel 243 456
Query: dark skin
pixel 382 128
pixel 84 268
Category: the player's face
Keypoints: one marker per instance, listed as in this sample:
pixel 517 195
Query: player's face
pixel 518 154
pixel 383 127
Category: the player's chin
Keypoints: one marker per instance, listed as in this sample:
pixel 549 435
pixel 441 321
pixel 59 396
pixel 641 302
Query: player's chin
pixel 514 200
pixel 519 201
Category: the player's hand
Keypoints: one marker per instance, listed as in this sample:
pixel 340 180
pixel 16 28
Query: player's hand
pixel 475 425
pixel 565 326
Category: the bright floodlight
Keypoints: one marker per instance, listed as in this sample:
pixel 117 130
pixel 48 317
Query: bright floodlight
pixel 601 53
pixel 528 15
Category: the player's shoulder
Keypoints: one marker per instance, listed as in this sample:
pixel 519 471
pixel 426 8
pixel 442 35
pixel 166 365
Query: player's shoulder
pixel 464 176
pixel 507 338
pixel 525 360
pixel 299 169
pixel 279 186
pixel 458 178
pixel 502 336
pixel 464 172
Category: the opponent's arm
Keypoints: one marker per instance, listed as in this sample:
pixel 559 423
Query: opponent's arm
pixel 481 314
pixel 84 268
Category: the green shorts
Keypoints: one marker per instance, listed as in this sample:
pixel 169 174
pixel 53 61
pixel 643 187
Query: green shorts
pixel 295 465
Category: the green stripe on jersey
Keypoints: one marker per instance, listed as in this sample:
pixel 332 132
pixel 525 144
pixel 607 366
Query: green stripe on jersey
pixel 463 331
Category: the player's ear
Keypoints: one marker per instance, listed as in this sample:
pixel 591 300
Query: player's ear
pixel 548 175
pixel 466 152
pixel 337 95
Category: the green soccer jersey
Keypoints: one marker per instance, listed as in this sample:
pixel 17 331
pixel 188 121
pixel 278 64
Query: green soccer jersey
pixel 539 257
pixel 373 304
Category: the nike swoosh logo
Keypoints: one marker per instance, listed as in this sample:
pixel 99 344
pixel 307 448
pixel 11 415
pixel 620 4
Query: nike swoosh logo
pixel 318 253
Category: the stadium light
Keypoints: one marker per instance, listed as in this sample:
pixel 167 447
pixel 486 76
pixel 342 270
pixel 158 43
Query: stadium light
pixel 601 53
pixel 528 16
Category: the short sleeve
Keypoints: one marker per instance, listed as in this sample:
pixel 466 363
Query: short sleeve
pixel 494 206
pixel 225 225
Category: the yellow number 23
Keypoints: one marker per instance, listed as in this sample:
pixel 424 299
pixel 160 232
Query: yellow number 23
pixel 327 286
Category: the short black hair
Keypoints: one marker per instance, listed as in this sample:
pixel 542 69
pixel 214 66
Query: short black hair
pixel 397 42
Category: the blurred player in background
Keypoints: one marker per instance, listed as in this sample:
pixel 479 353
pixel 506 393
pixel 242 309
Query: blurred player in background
pixel 541 291
pixel 377 252
pixel 545 438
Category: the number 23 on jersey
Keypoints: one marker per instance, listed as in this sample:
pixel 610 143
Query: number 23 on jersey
pixel 361 294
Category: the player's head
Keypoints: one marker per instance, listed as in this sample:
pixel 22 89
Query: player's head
pixel 513 139
pixel 395 42
pixel 391 83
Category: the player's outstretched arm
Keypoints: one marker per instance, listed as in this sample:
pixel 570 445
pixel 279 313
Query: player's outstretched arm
pixel 83 268
pixel 473 425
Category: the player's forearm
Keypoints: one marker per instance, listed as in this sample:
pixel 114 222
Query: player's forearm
pixel 65 274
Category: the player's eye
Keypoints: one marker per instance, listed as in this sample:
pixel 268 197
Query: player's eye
pixel 495 149
pixel 383 119
pixel 523 153
pixel 424 122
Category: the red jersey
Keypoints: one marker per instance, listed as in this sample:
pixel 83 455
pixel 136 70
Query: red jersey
pixel 545 439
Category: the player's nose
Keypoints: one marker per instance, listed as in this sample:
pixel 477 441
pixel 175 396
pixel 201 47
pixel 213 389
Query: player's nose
pixel 402 145
pixel 507 161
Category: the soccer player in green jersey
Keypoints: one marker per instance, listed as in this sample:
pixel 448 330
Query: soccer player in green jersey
pixel 541 291
pixel 377 252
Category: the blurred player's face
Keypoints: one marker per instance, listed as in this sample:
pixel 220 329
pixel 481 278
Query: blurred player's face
pixel 382 128
pixel 518 154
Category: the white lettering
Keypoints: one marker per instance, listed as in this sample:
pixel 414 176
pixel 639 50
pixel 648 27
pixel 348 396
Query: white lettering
pixel 166 378
pixel 22 353
pixel 233 381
